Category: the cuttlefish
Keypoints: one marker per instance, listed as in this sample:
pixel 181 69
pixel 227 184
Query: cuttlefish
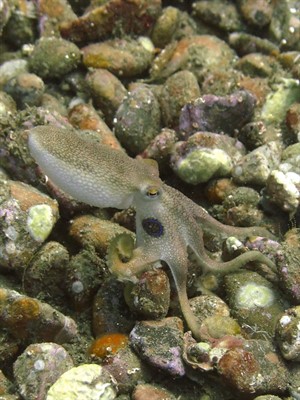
pixel 168 224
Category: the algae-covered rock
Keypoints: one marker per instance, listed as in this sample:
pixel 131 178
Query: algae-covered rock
pixel 137 120
pixel 200 165
pixel 54 57
pixel 38 367
pixel 28 218
pixel 254 302
pixel 278 102
pixel 122 57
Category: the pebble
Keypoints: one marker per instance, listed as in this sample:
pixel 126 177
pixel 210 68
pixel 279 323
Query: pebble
pixel 127 369
pixel 54 57
pixel 161 147
pixel 84 117
pixel 213 316
pixel 101 21
pixel 284 94
pixel 257 13
pixel 124 58
pixel 10 69
pixel 219 114
pixel 165 27
pixel 89 230
pixel 83 276
pixel 28 218
pixel 149 298
pixel 110 313
pixel 288 333
pixel 165 354
pixel 256 166
pixel 222 15
pixel 30 320
pixel 205 156
pixel 51 14
pixel 254 302
pixel 88 381
pixel 256 133
pixel 258 65
pixel 179 89
pixel 245 43
pixel 107 91
pixel 293 122
pixel 241 208
pixel 5 13
pixel 20 29
pixel 288 265
pixel 253 368
pixel 282 189
pixel 7 105
pixel 137 120
pixel 38 368
pixel 26 89
pixel 44 273
pixel 154 392
pixel 200 54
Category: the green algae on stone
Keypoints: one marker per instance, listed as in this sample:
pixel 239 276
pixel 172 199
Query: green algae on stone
pixel 278 102
pixel 40 221
pixel 54 57
pixel 200 165
pixel 254 302
pixel 165 27
pixel 219 13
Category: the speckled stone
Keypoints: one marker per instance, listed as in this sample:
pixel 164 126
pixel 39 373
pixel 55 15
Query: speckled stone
pixel 253 368
pixel 147 391
pixel 54 57
pixel 45 272
pixel 137 120
pixel 164 354
pixel 38 367
pixel 178 90
pixel 26 89
pixel 30 320
pixel 150 296
pixel 288 332
pixel 127 369
pixel 288 265
pixel 221 14
pixel 255 167
pixel 107 91
pixel 206 51
pixel 122 57
pixel 254 302
pixel 28 218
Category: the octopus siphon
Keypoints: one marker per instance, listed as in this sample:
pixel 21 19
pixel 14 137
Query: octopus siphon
pixel 168 224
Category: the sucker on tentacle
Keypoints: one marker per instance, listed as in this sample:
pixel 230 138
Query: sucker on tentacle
pixel 167 222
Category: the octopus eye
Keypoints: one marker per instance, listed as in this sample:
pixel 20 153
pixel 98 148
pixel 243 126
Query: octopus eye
pixel 153 227
pixel 152 192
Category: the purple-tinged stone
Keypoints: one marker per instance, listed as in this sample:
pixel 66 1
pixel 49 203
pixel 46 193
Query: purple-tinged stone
pixel 217 114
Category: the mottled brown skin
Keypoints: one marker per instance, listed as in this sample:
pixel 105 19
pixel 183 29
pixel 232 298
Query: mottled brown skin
pixel 167 222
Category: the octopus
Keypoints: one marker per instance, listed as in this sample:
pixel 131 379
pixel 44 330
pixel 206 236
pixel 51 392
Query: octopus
pixel 168 224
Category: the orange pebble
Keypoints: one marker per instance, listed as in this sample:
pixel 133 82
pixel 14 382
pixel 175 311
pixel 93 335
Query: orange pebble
pixel 107 344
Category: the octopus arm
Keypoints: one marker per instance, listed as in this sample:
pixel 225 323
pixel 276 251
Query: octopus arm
pixel 209 265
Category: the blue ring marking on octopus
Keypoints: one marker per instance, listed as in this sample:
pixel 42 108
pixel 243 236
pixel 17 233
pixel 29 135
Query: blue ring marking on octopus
pixel 153 227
